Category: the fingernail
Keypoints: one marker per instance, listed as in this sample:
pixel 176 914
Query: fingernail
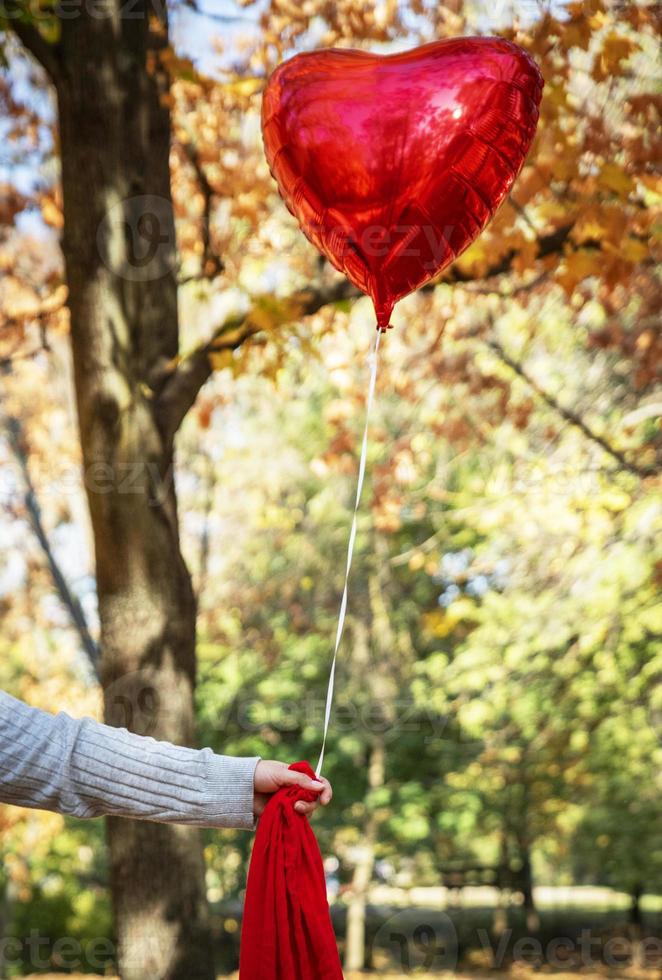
pixel 316 784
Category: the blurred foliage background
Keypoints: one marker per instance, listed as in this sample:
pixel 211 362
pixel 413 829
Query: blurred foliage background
pixel 495 747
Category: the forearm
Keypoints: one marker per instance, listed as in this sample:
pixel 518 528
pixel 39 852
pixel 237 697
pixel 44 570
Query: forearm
pixel 87 769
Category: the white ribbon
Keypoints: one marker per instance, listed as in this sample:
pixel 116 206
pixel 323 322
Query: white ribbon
pixel 350 551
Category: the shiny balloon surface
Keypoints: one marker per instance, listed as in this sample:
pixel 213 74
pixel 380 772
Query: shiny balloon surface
pixel 394 164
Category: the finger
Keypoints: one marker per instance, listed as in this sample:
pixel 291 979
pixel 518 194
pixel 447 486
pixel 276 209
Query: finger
pixel 305 808
pixel 327 793
pixel 293 778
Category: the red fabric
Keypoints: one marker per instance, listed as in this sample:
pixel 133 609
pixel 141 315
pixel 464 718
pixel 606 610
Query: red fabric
pixel 286 932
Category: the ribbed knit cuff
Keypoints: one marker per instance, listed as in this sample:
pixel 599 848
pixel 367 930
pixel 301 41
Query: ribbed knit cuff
pixel 229 791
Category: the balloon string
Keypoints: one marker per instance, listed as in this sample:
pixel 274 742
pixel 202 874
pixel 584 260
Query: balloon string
pixel 350 550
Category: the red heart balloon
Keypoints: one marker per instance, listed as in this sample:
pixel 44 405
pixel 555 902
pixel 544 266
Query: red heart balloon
pixel 394 164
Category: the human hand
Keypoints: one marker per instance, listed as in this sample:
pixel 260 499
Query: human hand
pixel 271 776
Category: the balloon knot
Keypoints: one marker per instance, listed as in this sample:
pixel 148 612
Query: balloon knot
pixel 383 329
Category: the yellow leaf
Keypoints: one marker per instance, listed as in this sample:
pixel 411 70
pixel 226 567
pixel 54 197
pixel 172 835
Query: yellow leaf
pixel 220 359
pixel 51 213
pixel 244 86
pixel 437 623
pixel 57 299
pixel 632 250
pixel 417 561
pixel 551 210
pixel 613 178
pixel 614 500
pixel 557 95
pixel 475 259
pixel 578 266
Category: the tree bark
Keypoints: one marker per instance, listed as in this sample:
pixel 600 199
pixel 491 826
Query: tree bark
pixel 120 256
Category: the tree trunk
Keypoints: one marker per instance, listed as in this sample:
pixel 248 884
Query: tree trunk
pixel 525 876
pixel 380 671
pixel 635 917
pixel 530 910
pixel 636 926
pixel 355 945
pixel 500 914
pixel 120 256
pixel 523 840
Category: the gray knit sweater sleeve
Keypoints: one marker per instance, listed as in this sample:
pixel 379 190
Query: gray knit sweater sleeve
pixel 87 769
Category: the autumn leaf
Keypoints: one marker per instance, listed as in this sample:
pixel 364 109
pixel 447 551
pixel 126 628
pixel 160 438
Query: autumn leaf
pixel 577 33
pixel 51 210
pixel 221 359
pixel 601 223
pixel 615 49
pixel 614 178
pixel 579 265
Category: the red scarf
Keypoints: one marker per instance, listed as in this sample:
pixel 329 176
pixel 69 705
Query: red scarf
pixel 286 931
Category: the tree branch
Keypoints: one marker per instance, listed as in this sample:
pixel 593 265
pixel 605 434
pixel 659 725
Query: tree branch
pixel 177 389
pixel 211 264
pixel 550 244
pixel 48 55
pixel 7 362
pixel 569 415
pixel 178 386
pixel 68 599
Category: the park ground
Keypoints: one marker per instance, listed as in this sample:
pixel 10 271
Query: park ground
pixel 518 972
